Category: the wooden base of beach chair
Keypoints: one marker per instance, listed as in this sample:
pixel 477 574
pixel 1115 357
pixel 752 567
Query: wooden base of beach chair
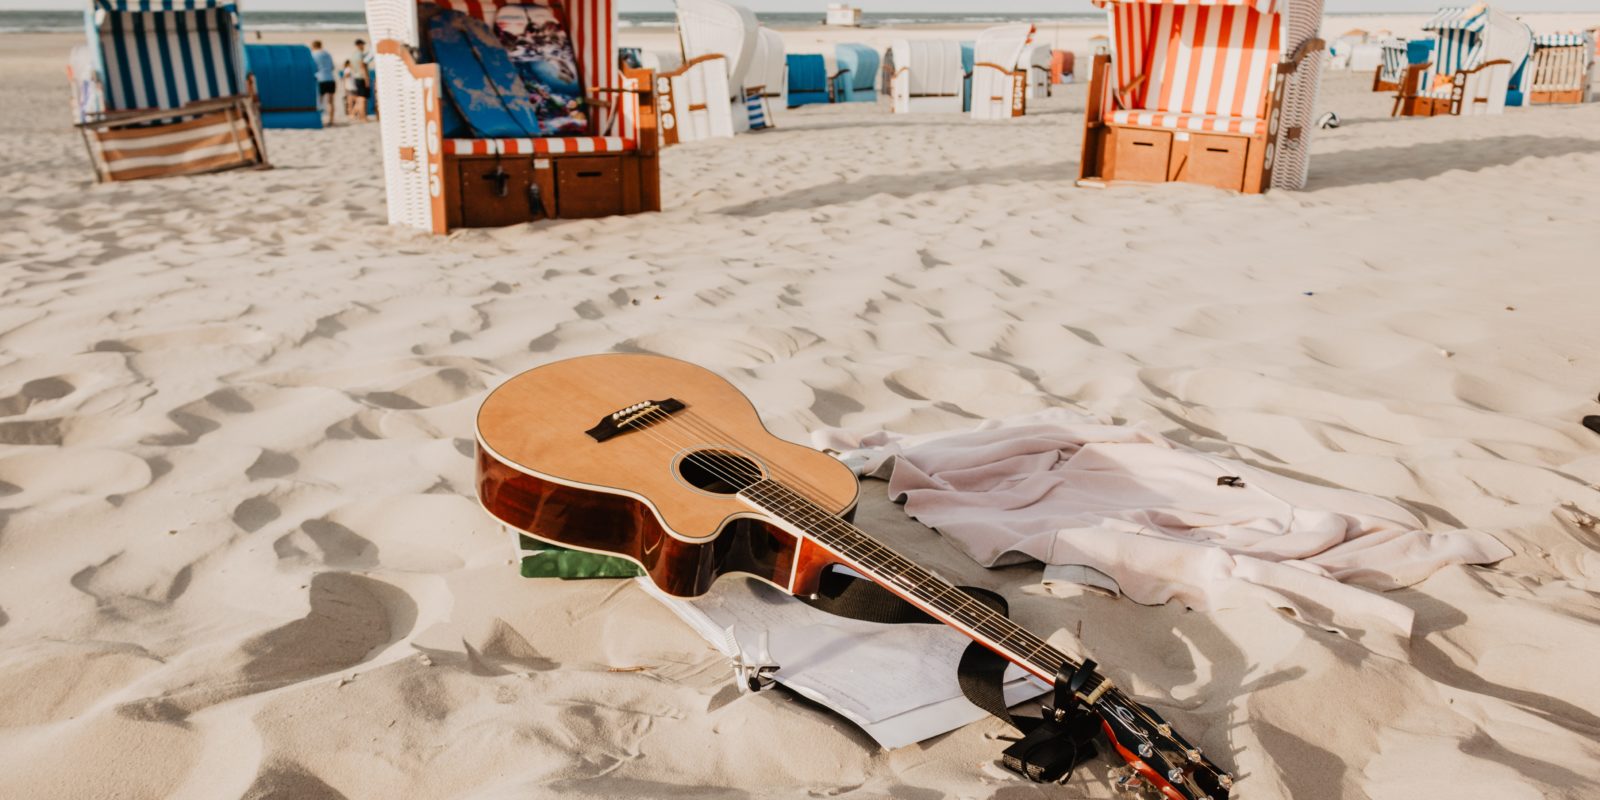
pixel 1136 154
pixel 495 191
pixel 1548 98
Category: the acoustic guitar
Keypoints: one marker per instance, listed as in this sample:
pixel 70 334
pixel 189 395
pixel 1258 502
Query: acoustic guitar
pixel 668 465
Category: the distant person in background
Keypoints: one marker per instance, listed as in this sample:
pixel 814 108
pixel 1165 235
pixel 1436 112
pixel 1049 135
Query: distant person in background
pixel 327 81
pixel 351 97
pixel 363 77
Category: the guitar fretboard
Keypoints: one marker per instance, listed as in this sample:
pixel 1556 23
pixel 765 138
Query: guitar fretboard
pixel 933 594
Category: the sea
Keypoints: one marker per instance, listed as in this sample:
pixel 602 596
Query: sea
pixel 72 21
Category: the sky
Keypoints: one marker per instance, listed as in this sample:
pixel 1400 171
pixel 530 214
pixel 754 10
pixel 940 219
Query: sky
pixel 898 6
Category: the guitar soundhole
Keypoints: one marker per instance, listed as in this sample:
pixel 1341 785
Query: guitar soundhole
pixel 718 471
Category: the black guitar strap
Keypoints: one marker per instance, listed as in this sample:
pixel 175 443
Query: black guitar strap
pixel 1051 746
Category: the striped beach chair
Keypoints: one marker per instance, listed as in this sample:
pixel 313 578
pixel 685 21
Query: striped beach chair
pixel 1560 67
pixel 1217 92
pixel 1477 52
pixel 172 96
pixel 437 184
pixel 1393 69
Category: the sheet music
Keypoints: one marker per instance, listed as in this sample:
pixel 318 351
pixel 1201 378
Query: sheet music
pixel 897 682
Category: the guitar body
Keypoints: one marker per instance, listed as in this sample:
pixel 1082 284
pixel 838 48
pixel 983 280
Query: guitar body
pixel 639 494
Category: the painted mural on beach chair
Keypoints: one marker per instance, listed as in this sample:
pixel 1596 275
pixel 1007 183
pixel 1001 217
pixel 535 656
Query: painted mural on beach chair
pixel 535 35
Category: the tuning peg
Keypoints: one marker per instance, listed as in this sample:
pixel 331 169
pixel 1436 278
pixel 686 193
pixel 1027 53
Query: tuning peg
pixel 1145 750
pixel 1225 780
pixel 1175 776
pixel 1194 754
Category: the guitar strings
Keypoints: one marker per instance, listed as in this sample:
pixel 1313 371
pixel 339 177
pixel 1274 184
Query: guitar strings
pixel 734 469
pixel 1005 629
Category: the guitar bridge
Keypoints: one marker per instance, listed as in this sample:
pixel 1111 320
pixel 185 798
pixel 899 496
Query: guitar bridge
pixel 634 417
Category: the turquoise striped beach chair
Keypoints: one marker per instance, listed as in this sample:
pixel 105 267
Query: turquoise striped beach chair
pixel 1477 53
pixel 174 96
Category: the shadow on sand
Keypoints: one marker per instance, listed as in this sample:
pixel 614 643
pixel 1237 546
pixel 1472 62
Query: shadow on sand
pixel 902 186
pixel 1425 160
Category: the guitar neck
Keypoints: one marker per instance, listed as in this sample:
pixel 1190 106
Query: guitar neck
pixel 923 589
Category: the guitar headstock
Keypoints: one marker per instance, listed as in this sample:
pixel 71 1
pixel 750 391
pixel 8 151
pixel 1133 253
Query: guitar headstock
pixel 1158 754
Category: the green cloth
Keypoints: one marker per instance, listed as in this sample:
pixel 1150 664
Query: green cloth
pixel 550 561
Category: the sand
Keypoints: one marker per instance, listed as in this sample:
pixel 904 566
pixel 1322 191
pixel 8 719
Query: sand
pixel 241 556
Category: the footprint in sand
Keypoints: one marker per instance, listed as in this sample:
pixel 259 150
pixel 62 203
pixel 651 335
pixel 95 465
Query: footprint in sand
pixel 976 391
pixel 34 391
pixel 285 780
pixel 349 617
pixel 334 544
pixel 437 388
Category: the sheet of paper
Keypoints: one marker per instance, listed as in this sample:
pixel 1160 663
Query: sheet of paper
pixel 897 682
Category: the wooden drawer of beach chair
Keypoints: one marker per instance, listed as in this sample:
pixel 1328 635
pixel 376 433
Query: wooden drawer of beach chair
pixel 1217 161
pixel 1142 155
pixel 496 192
pixel 589 187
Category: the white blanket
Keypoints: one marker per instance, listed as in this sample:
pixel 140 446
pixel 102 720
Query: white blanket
pixel 1075 492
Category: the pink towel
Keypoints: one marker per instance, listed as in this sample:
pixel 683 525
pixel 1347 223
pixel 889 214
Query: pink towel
pixel 1071 491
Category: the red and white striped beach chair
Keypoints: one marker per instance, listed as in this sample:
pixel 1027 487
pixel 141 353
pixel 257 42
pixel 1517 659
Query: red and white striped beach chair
pixel 1218 92
pixel 437 184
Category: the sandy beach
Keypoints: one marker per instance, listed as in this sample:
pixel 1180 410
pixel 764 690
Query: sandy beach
pixel 242 557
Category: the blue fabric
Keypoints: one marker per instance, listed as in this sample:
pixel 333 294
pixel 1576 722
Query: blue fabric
pixel 859 65
pixel 1419 51
pixel 324 63
pixel 482 83
pixel 286 82
pixel 808 79
pixel 967 60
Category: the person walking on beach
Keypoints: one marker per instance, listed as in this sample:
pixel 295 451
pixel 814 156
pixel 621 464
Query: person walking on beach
pixel 363 81
pixel 327 83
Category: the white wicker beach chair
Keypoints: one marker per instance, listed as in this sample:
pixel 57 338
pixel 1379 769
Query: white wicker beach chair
pixel 436 183
pixel 161 90
pixel 716 33
pixel 767 77
pixel 1218 92
pixel 999 87
pixel 927 76
pixel 1035 61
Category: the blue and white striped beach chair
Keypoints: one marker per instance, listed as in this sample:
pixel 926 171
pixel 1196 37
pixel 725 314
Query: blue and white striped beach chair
pixel 174 95
pixel 1393 68
pixel 1477 52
